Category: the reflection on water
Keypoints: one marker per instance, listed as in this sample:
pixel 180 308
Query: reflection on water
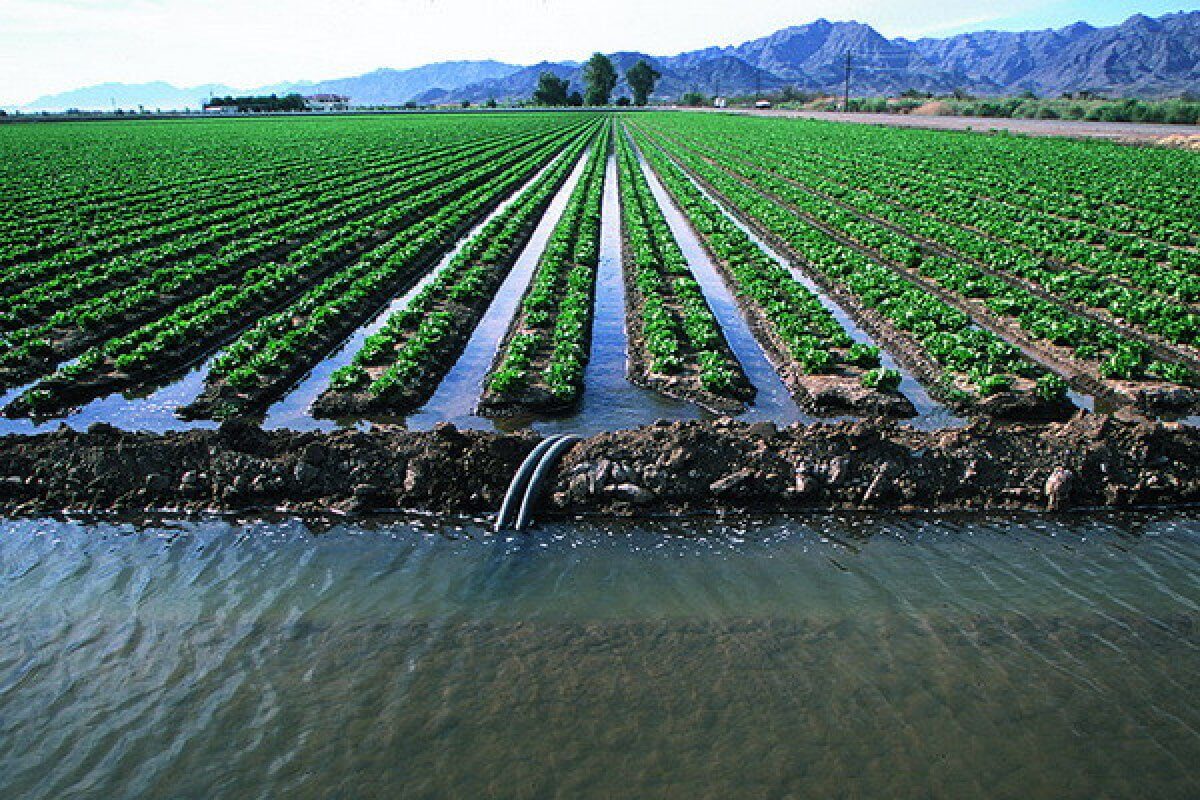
pixel 1014 657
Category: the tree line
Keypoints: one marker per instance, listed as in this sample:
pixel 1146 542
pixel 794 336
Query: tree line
pixel 290 102
pixel 599 81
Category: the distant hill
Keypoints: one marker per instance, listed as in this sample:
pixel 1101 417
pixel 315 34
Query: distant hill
pixel 1142 56
pixel 1139 56
pixel 383 87
pixel 107 96
pixel 398 86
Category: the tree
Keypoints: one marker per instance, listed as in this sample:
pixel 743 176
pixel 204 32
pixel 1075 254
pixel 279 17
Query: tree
pixel 551 90
pixel 641 78
pixel 491 103
pixel 622 101
pixel 693 99
pixel 575 99
pixel 599 78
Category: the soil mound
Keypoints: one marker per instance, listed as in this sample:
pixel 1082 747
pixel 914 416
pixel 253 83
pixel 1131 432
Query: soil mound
pixel 710 465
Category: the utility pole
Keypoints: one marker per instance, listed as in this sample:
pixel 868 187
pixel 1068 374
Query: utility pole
pixel 846 90
pixel 757 84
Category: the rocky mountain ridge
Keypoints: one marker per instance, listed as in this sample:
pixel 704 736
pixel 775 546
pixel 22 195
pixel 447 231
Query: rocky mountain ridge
pixel 1142 56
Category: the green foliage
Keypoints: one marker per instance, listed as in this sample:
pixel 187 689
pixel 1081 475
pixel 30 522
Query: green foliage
pixel 599 79
pixel 1051 388
pixel 641 78
pixel 863 355
pixel 551 90
pixel 882 379
pixel 349 378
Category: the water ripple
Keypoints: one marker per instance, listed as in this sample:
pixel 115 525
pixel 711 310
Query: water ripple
pixel 827 655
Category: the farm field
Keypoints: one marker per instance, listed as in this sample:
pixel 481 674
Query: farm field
pixel 324 272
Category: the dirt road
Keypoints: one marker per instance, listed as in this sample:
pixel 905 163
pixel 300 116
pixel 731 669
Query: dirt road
pixel 1120 131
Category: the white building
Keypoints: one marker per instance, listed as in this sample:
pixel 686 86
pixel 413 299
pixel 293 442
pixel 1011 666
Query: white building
pixel 327 102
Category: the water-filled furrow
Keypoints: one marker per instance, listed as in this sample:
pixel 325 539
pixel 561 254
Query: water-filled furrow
pixel 772 399
pixel 932 414
pixel 457 395
pixel 610 400
pixel 292 410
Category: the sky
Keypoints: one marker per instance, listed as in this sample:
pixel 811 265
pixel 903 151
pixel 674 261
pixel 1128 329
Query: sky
pixel 50 46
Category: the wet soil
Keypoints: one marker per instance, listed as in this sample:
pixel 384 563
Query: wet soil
pixel 901 345
pixel 1091 460
pixel 836 392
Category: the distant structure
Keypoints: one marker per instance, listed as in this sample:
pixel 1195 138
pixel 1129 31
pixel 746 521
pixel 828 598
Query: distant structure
pixel 762 104
pixel 720 102
pixel 326 102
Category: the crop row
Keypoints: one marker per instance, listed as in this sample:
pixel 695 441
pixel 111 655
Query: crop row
pixel 421 217
pixel 78 177
pixel 1099 351
pixel 541 364
pixel 75 325
pixel 54 284
pixel 143 221
pixel 160 220
pixel 94 182
pixel 1156 320
pixel 1152 187
pixel 399 367
pixel 1121 228
pixel 823 367
pixel 676 345
pixel 269 357
pixel 966 366
pixel 1083 254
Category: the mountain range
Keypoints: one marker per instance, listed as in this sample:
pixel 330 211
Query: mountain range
pixel 1142 56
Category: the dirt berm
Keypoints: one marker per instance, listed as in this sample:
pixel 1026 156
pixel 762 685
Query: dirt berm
pixel 1089 461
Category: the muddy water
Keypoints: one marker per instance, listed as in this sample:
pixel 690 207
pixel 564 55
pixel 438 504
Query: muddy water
pixel 818 657
pixel 150 411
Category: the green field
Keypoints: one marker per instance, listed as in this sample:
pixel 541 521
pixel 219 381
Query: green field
pixel 997 271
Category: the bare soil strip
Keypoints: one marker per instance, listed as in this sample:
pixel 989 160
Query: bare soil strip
pixel 1132 132
pixel 1087 462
